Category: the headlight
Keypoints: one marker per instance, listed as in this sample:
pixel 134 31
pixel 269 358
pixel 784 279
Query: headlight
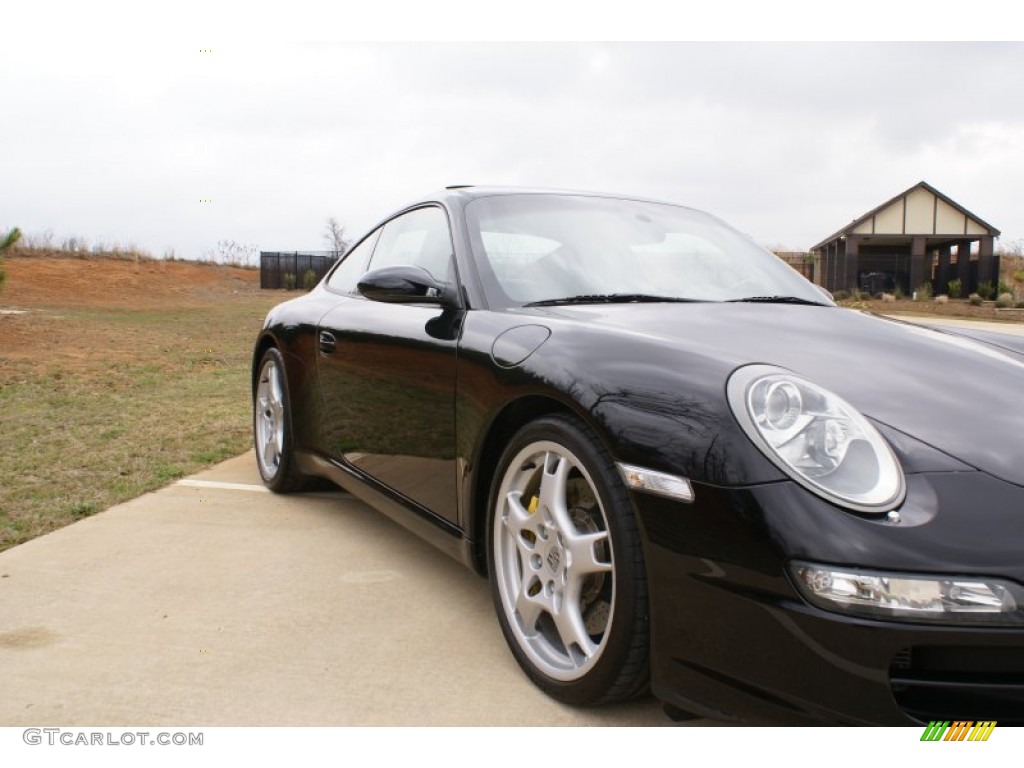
pixel 912 597
pixel 817 438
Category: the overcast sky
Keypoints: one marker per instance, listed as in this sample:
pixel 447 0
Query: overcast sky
pixel 788 142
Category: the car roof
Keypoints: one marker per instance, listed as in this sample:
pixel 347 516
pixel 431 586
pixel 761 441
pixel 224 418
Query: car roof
pixel 470 191
pixel 457 196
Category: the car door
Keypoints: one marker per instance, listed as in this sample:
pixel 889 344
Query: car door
pixel 387 371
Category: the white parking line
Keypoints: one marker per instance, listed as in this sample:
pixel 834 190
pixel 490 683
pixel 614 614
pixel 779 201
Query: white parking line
pixel 192 483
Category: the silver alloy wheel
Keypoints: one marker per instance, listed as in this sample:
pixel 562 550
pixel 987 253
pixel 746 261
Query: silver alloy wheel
pixel 269 419
pixel 553 561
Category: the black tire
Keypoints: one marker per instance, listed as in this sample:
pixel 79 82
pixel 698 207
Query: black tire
pixel 568 577
pixel 272 427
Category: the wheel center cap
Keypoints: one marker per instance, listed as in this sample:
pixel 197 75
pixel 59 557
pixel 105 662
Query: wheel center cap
pixel 554 559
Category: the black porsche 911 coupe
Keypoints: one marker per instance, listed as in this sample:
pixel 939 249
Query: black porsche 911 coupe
pixel 679 464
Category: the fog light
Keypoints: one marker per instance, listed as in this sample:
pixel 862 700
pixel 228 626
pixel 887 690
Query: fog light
pixel 909 597
pixel 658 483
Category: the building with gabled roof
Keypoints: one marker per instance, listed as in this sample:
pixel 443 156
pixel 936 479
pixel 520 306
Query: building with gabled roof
pixel 919 236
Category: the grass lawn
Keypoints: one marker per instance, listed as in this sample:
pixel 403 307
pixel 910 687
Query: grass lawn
pixel 105 397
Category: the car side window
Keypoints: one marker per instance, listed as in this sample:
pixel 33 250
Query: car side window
pixel 419 238
pixel 345 278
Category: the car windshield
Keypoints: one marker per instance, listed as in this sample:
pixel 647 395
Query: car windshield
pixel 551 248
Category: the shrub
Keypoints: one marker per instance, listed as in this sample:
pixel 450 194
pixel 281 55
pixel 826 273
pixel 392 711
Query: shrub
pixel 1005 300
pixel 1005 288
pixel 941 299
pixel 955 286
pixel 289 281
pixel 7 241
pixel 309 280
pixel 986 290
pixel 1020 304
pixel 975 300
pixel 1019 275
pixel 841 295
pixel 897 293
pixel 887 297
pixel 923 292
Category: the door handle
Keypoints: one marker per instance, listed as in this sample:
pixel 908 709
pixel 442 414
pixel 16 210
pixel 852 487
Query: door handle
pixel 327 342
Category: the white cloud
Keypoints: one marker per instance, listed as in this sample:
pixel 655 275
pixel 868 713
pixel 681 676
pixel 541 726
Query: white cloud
pixel 787 141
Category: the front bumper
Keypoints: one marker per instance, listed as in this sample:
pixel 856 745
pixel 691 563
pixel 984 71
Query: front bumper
pixel 733 639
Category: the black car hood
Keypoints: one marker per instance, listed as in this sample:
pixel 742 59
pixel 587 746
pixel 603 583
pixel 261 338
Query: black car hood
pixel 961 396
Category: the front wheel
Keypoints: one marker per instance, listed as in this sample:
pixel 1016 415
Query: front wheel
pixel 566 564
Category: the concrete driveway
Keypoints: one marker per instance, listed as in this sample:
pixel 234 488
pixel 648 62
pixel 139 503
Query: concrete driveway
pixel 214 602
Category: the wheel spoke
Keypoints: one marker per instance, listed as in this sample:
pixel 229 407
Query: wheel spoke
pixel 553 490
pixel 583 551
pixel 278 439
pixel 530 607
pixel 275 385
pixel 519 518
pixel 571 628
pixel 270 453
pixel 522 528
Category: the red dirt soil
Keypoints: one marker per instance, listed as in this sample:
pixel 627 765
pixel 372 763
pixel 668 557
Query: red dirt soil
pixel 42 288
pixel 47 281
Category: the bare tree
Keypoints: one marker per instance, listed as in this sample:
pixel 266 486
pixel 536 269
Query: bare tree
pixel 335 237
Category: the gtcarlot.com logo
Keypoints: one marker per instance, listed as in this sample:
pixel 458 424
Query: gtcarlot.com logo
pixel 68 738
pixel 959 730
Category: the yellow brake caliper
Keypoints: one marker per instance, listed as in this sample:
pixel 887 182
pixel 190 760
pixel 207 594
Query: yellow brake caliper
pixel 531 509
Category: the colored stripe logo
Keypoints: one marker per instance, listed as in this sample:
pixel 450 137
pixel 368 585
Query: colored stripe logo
pixel 959 730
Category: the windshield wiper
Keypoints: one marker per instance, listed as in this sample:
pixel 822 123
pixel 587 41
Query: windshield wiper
pixel 778 300
pixel 609 298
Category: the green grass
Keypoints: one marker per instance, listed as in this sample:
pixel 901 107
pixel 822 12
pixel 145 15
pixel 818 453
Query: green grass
pixel 120 402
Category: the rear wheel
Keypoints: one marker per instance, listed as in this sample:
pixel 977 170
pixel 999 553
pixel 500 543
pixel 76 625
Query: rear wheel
pixel 566 565
pixel 272 427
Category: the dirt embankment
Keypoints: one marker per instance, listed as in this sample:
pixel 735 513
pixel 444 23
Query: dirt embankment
pixel 49 306
pixel 43 281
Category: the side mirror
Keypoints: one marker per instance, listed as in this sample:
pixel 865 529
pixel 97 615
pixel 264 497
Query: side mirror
pixel 405 285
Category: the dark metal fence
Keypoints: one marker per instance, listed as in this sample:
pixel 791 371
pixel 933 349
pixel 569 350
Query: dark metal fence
pixel 801 262
pixel 288 269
